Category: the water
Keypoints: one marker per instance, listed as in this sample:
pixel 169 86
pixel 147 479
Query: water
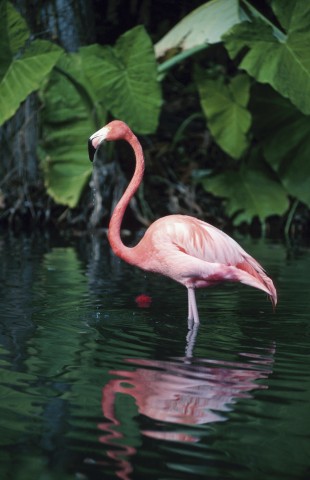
pixel 94 387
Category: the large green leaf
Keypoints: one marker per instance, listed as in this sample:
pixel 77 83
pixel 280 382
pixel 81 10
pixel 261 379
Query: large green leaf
pixel 125 79
pixel 13 34
pixel 249 192
pixel 25 75
pixel 67 123
pixel 22 70
pixel 282 61
pixel 225 108
pixel 204 25
pixel 284 134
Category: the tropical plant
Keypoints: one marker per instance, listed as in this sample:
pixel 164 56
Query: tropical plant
pixel 24 64
pixel 263 130
pixel 82 88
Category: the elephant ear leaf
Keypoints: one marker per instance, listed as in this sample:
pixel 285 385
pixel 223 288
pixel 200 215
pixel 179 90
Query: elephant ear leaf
pixel 203 26
pixel 225 106
pixel 25 75
pixel 13 34
pixel 68 119
pixel 23 64
pixel 277 57
pixel 284 137
pixel 125 79
pixel 249 192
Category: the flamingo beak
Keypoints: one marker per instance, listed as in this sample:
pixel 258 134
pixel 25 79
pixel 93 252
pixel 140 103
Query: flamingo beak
pixel 95 141
pixel 91 150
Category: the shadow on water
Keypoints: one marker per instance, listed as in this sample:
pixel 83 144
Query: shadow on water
pixel 92 386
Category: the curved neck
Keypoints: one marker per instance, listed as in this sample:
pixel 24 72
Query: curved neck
pixel 114 233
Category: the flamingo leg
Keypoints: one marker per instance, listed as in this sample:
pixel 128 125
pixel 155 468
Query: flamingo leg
pixel 191 338
pixel 192 306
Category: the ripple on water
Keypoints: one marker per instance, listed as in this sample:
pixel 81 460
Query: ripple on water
pixel 94 385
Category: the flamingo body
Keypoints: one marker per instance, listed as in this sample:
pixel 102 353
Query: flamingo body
pixel 186 249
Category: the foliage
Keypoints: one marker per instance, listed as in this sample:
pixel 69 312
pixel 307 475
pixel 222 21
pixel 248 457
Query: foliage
pixel 76 96
pixel 225 106
pixel 250 191
pixel 284 136
pixel 125 79
pixel 23 65
pixel 66 121
pixel 282 59
pixel 204 26
pixel 83 87
pixel 270 55
pixel 263 132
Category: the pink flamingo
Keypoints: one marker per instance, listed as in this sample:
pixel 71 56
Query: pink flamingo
pixel 190 251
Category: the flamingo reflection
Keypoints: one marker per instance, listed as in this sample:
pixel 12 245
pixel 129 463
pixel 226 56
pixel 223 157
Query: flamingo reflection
pixel 181 391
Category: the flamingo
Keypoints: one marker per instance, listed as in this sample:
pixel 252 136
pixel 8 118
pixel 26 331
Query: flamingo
pixel 184 248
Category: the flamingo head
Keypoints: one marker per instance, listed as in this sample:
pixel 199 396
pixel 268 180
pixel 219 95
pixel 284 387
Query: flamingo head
pixel 115 130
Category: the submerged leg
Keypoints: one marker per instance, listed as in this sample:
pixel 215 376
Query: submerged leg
pixel 191 338
pixel 192 306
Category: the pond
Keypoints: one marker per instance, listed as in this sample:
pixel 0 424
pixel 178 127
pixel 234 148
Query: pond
pixel 95 387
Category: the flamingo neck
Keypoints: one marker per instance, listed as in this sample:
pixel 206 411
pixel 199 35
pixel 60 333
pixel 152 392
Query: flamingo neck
pixel 114 233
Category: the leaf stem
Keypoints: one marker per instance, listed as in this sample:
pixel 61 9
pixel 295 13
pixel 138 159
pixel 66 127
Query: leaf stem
pixel 163 67
pixel 290 217
pixel 281 36
pixel 178 134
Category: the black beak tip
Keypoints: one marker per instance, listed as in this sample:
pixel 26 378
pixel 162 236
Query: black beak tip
pixel 91 150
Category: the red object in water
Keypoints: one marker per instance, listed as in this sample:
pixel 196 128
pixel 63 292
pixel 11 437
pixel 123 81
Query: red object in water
pixel 143 301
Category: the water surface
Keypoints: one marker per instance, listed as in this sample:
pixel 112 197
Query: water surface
pixel 94 387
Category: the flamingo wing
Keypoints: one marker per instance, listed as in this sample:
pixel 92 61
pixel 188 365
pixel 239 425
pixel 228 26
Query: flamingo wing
pixel 198 254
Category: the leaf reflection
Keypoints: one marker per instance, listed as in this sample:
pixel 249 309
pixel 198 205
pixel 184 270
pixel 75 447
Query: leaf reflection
pixel 183 391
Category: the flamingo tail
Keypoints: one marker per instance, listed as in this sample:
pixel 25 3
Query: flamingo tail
pixel 251 273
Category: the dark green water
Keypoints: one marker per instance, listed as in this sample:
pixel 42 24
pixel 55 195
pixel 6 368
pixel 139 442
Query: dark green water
pixel 94 387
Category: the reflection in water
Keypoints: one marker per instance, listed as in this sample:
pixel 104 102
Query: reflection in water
pixel 182 391
pixel 68 317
